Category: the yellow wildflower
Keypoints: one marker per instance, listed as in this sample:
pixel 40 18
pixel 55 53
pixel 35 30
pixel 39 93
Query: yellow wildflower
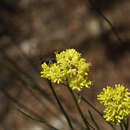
pixel 117 103
pixel 70 68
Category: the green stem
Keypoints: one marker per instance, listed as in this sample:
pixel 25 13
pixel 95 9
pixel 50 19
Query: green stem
pixel 86 101
pixel 14 100
pixel 60 106
pixel 33 84
pixel 79 109
pixel 121 126
pixel 126 123
pixel 99 12
pixel 93 120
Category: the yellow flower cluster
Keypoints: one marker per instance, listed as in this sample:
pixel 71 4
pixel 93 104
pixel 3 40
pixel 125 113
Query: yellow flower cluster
pixel 117 103
pixel 69 68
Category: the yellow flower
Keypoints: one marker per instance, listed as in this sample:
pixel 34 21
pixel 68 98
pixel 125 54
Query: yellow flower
pixel 52 72
pixel 70 68
pixel 117 103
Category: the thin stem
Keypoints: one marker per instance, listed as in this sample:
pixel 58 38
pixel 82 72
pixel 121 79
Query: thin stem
pixel 121 127
pixel 60 105
pixel 106 19
pixel 30 117
pixel 126 123
pixel 86 101
pixel 25 108
pixel 78 108
pixel 93 120
pixel 34 85
pixel 25 84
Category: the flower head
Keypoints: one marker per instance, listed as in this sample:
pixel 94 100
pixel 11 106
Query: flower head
pixel 117 103
pixel 69 67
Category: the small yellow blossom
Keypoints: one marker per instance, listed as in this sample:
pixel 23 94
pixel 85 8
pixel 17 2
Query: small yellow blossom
pixel 69 67
pixel 52 72
pixel 117 103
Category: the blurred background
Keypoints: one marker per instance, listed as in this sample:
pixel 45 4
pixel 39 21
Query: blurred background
pixel 31 30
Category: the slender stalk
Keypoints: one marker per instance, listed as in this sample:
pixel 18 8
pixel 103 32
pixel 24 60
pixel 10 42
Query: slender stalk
pixel 121 127
pixel 106 19
pixel 30 117
pixel 86 101
pixel 25 84
pixel 60 106
pixel 78 108
pixel 34 85
pixel 126 123
pixel 93 120
pixel 25 108
pixel 128 119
